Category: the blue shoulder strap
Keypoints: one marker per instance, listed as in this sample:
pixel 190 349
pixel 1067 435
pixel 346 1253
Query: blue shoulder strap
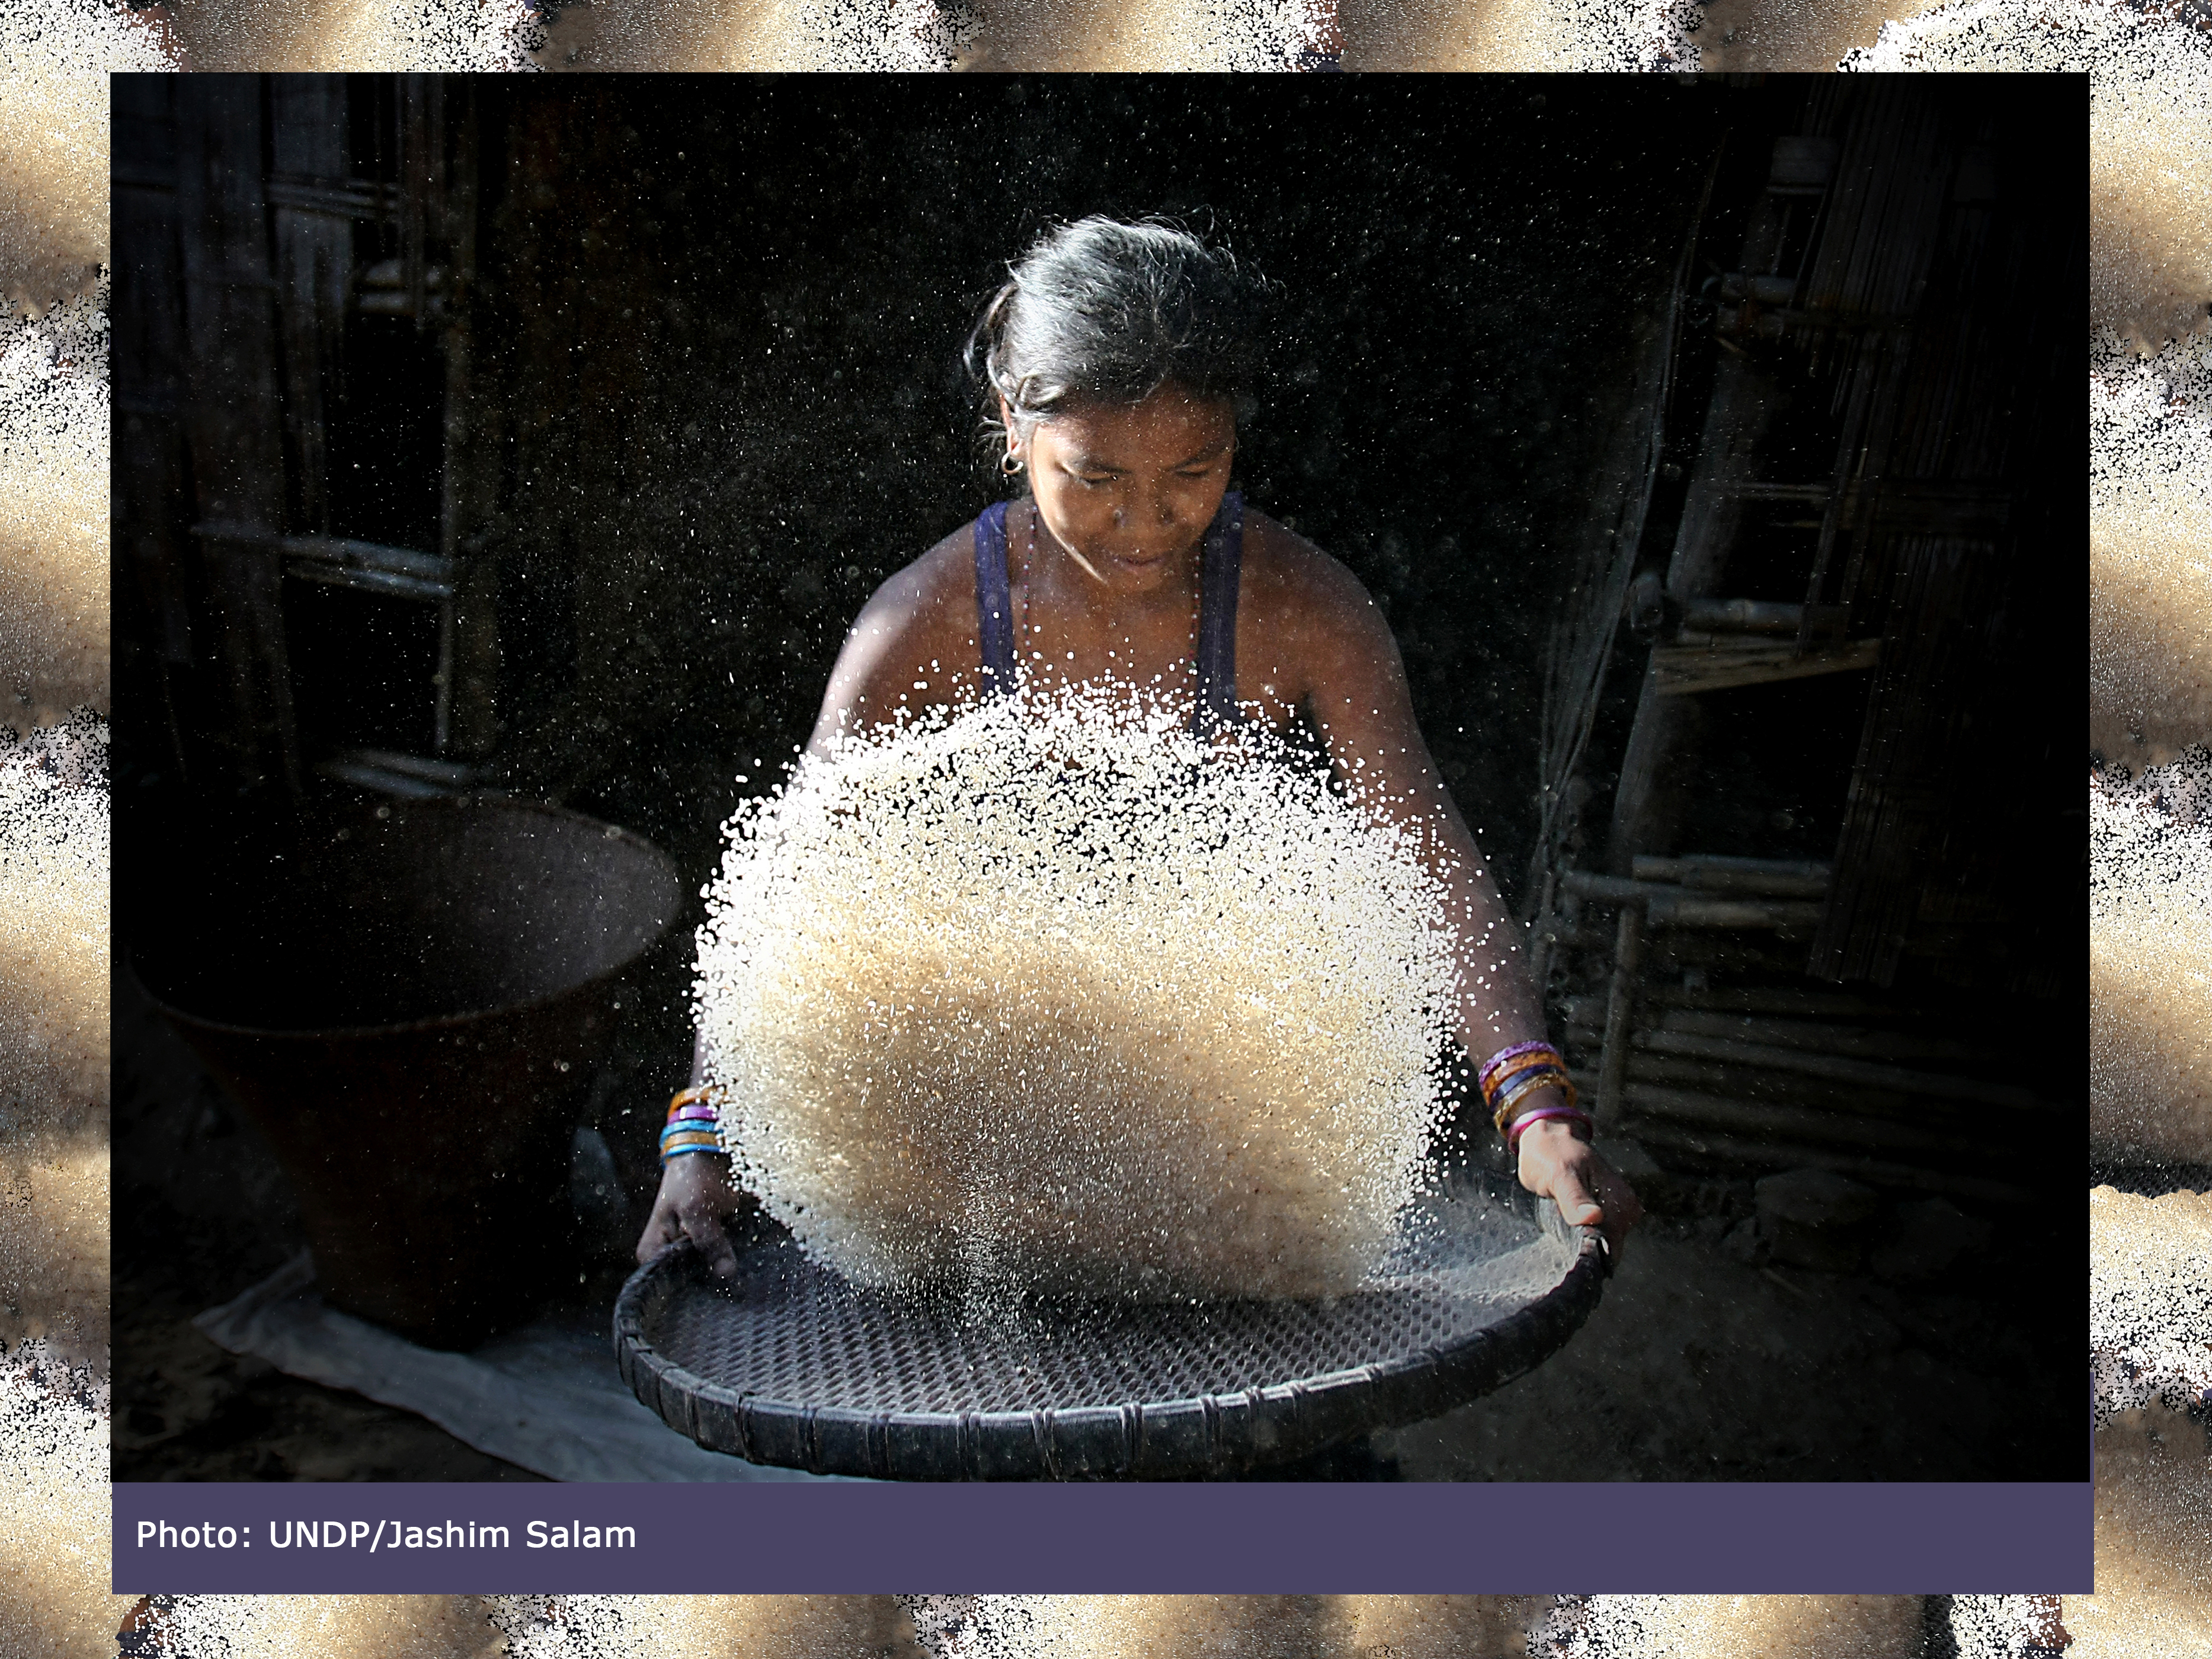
pixel 1219 570
pixel 994 618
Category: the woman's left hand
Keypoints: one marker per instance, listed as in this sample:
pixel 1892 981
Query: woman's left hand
pixel 1556 1165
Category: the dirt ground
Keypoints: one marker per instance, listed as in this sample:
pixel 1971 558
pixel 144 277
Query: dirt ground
pixel 1697 1365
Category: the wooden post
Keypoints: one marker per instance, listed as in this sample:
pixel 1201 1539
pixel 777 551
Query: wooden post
pixel 233 420
pixel 152 555
pixel 313 227
pixel 474 427
pixel 1612 1067
pixel 1663 740
pixel 1540 940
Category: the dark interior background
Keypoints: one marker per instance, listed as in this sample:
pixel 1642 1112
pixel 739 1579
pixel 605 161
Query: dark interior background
pixel 757 343
pixel 713 396
pixel 717 328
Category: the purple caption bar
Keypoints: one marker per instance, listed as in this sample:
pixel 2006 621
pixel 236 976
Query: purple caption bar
pixel 642 1538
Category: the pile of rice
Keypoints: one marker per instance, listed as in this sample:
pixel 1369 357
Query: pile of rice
pixel 53 1039
pixel 1431 1627
pixel 1780 1626
pixel 1251 1627
pixel 2150 962
pixel 545 1627
pixel 1043 994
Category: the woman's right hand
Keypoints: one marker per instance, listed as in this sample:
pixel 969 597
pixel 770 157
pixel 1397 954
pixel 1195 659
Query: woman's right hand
pixel 1557 1163
pixel 695 1201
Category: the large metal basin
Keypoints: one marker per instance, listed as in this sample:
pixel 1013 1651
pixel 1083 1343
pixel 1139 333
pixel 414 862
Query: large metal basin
pixel 411 1017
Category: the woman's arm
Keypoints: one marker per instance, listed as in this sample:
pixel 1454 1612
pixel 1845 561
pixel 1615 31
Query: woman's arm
pixel 903 652
pixel 1356 694
pixel 696 1197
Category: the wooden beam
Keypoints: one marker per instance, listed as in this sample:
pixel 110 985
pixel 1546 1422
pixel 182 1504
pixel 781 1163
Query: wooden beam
pixel 1942 1085
pixel 1733 1149
pixel 1858 1040
pixel 1680 910
pixel 1749 955
pixel 1767 1121
pixel 1681 670
pixel 1777 1000
pixel 1612 890
pixel 1790 1089
pixel 1772 878
pixel 1667 905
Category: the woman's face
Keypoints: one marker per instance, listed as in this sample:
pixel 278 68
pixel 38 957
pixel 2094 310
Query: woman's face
pixel 1132 487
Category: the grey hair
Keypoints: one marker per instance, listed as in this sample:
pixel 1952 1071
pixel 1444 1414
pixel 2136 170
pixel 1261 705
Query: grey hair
pixel 1114 309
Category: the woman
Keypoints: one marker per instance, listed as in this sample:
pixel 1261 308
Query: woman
pixel 1117 357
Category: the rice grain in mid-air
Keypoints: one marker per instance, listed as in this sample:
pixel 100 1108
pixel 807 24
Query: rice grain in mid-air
pixel 2150 963
pixel 1043 994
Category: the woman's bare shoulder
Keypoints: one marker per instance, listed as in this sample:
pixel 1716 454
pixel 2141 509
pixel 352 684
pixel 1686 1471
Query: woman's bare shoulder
pixel 1326 644
pixel 941 582
pixel 913 644
pixel 1298 587
pixel 923 610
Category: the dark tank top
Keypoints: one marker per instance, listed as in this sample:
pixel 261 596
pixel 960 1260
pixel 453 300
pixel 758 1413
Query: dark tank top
pixel 1219 566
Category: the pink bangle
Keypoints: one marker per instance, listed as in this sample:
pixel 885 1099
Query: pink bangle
pixel 1513 1134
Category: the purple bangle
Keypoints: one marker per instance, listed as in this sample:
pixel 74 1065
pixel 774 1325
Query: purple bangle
pixel 695 1115
pixel 1513 1135
pixel 1482 1076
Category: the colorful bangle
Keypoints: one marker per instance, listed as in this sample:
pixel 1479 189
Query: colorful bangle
pixel 1504 1078
pixel 700 1094
pixel 1487 1075
pixel 1513 1134
pixel 1511 1104
pixel 1520 1083
pixel 1526 1084
pixel 678 1151
pixel 696 1138
pixel 679 1131
pixel 1498 1071
pixel 694 1114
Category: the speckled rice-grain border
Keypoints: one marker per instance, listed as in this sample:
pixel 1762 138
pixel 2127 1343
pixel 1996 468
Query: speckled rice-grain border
pixel 74 1410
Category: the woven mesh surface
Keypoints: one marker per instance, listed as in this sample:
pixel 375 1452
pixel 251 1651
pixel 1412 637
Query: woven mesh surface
pixel 794 1343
